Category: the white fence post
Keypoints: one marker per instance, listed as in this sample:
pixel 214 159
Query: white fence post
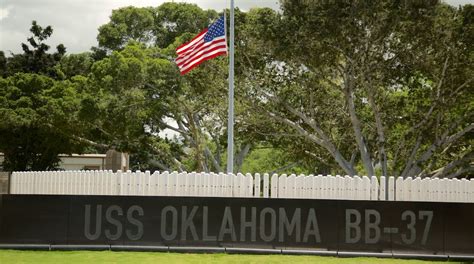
pixel 374 188
pixel 382 188
pixel 348 188
pixel 41 185
pixel 324 187
pixel 399 189
pixel 14 182
pixel 274 186
pixel 178 182
pixel 314 183
pixel 365 188
pixel 220 185
pixel 435 189
pixel 391 188
pixel 266 187
pixel 425 191
pixel 18 182
pixel 249 185
pixel 291 182
pixel 451 196
pixel 416 189
pixel 282 186
pixel 457 190
pixel 229 179
pixel 464 190
pixel 471 199
pixel 256 192
pixel 25 182
pixel 215 184
pixel 13 179
pixel 409 195
pixel 155 183
pixel 173 183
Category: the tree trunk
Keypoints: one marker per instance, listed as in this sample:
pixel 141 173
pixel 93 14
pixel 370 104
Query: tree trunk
pixel 239 158
pixel 380 133
pixel 349 94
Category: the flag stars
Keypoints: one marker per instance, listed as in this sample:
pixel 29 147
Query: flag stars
pixel 215 30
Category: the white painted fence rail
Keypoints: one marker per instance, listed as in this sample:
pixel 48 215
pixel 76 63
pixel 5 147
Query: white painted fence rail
pixel 240 185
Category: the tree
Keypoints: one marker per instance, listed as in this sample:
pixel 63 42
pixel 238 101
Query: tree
pixel 152 26
pixel 383 90
pixel 197 113
pixel 126 24
pixel 38 121
pixel 125 93
pixel 195 109
pixel 35 58
pixel 38 113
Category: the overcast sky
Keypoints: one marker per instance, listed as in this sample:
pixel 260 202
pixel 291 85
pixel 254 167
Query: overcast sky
pixel 75 22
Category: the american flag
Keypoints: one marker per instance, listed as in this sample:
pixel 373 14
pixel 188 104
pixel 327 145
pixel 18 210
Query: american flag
pixel 208 44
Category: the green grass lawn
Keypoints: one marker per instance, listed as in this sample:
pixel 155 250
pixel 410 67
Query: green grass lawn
pixel 92 257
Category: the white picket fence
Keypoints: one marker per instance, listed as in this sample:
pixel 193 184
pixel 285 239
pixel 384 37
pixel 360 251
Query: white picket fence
pixel 240 185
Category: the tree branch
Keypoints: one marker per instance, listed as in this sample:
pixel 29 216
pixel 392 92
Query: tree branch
pixel 460 172
pixel 181 131
pixel 345 165
pixel 441 172
pixel 443 141
pixel 163 154
pixel 289 166
pixel 409 161
pixel 92 143
pixel 160 165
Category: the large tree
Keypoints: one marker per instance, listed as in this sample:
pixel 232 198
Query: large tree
pixel 125 93
pixel 38 117
pixel 365 87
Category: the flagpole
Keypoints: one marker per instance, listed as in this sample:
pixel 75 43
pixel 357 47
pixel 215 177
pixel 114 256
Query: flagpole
pixel 230 121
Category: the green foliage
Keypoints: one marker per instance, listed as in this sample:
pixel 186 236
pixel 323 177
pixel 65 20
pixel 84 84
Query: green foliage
pixel 272 160
pixel 38 121
pixel 128 23
pixel 124 94
pixel 152 26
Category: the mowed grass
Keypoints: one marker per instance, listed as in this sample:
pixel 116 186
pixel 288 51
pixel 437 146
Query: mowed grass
pixel 92 257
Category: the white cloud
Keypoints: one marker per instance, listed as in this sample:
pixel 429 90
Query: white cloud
pixel 4 11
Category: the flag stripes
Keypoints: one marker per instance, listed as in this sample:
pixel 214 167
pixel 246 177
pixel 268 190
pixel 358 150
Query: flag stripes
pixel 208 44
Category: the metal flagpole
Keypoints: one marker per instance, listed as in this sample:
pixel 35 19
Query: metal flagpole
pixel 230 122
